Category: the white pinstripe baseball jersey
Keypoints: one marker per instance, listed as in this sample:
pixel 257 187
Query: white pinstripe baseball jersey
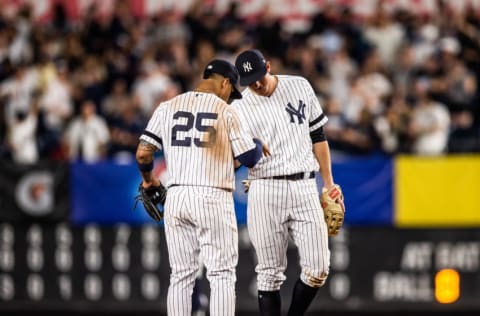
pixel 287 118
pixel 198 132
pixel 279 208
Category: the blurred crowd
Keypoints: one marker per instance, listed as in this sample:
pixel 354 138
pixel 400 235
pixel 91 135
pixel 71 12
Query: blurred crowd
pixel 393 82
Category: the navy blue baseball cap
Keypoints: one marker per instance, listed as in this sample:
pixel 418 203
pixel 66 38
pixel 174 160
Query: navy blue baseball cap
pixel 251 66
pixel 227 70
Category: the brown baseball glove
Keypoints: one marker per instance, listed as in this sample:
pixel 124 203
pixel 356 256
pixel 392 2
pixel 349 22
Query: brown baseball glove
pixel 333 208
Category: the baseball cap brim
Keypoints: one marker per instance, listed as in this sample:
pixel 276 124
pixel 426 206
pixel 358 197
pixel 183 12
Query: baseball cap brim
pixel 247 80
pixel 226 70
pixel 235 93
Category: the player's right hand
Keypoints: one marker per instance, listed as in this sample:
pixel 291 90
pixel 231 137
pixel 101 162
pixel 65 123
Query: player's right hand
pixel 246 185
pixel 153 183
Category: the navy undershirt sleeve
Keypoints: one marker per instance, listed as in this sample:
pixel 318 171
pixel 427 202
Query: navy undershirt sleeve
pixel 251 157
pixel 318 135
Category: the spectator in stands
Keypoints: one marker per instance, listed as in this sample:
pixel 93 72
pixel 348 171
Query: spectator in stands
pixel 114 103
pixel 22 137
pixel 424 42
pixel 270 38
pixel 358 61
pixel 125 131
pixel 368 91
pixel 180 70
pixel 205 52
pixel 404 69
pixel 459 84
pixel 169 27
pixel 56 109
pixel 150 86
pixel 20 49
pixel 336 122
pixel 430 124
pixel 386 35
pixel 203 23
pixel 87 135
pixel 92 76
pixel 18 91
pixel 359 137
pixel 341 72
pixel 392 125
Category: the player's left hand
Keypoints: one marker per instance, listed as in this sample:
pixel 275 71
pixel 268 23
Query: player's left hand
pixel 333 208
pixel 150 197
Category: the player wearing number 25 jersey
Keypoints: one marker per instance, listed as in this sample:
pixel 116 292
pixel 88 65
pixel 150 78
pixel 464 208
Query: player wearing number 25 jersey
pixel 201 136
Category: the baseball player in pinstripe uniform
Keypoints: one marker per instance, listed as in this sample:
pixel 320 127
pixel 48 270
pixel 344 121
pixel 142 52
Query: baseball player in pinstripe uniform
pixel 198 132
pixel 283 198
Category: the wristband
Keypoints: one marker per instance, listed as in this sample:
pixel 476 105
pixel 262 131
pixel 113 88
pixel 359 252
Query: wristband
pixel 145 167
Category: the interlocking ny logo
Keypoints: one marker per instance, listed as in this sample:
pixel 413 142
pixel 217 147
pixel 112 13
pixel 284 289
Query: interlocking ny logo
pixel 299 113
pixel 247 67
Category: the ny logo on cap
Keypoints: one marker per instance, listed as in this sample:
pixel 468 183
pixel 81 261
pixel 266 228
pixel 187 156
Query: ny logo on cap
pixel 247 67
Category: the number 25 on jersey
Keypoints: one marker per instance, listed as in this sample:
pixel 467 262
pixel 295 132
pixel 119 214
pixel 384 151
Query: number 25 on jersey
pixel 200 125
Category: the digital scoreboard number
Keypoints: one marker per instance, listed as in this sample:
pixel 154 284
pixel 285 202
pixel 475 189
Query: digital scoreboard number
pixel 61 264
pixel 415 269
pixel 55 265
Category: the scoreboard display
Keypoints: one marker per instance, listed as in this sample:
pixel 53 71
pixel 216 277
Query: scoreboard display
pixel 60 264
pixel 57 265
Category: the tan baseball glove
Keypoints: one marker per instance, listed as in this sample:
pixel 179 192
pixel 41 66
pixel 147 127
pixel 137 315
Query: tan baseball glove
pixel 333 208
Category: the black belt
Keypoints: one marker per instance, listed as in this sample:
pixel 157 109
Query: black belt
pixel 189 185
pixel 295 176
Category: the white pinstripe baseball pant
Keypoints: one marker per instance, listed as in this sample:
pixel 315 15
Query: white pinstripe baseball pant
pixel 200 225
pixel 281 208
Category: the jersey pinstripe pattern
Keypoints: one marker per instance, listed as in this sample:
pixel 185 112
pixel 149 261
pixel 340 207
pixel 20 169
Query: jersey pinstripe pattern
pixel 267 119
pixel 278 209
pixel 200 134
